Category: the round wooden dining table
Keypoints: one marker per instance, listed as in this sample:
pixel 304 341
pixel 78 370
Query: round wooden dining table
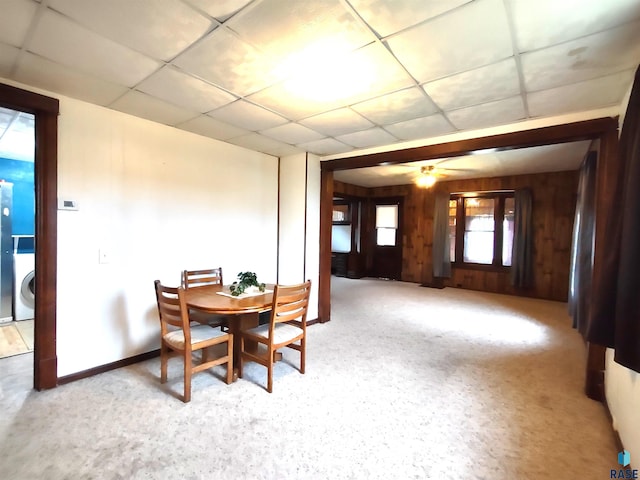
pixel 209 299
pixel 242 312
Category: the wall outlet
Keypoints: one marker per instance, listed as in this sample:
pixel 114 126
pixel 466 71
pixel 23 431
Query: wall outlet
pixel 104 256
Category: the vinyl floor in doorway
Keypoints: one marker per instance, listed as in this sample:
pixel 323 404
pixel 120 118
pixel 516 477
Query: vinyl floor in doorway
pixel 16 338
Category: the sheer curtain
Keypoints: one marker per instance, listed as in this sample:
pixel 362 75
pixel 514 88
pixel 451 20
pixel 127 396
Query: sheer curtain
pixel 582 245
pixel 441 243
pixel 522 253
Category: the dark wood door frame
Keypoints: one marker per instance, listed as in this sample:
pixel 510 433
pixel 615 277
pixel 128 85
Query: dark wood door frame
pixel 45 110
pixel 603 129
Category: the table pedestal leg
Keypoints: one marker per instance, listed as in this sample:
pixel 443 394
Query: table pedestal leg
pixel 236 325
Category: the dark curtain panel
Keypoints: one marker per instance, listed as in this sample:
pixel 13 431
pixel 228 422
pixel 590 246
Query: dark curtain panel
pixel 627 319
pixel 614 319
pixel 441 243
pixel 522 253
pixel 582 245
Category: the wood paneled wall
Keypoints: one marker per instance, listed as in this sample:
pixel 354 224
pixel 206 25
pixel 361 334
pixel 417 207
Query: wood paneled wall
pixel 554 199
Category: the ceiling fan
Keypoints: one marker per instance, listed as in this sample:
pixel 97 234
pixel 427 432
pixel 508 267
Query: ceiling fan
pixel 429 174
pixel 427 177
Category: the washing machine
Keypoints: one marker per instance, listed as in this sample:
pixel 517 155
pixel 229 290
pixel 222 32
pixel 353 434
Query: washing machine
pixel 24 264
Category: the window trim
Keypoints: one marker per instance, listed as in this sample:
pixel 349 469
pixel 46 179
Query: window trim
pixel 498 231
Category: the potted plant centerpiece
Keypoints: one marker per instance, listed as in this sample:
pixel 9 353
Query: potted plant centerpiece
pixel 247 283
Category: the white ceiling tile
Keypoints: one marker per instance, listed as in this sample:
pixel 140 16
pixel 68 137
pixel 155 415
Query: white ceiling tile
pixel 225 60
pixel 260 143
pixel 368 72
pixel 587 95
pixel 292 133
pixel 431 50
pixel 368 138
pixel 220 9
pixel 489 114
pixel 387 17
pixel 210 127
pixel 582 59
pixel 158 29
pixel 17 139
pixel 292 103
pixel 375 69
pixel 66 42
pixel 542 23
pixel 338 122
pixel 8 57
pixel 546 158
pixel 307 34
pixel 145 106
pixel 484 84
pixel 396 107
pixel 325 146
pixel 184 90
pixel 15 19
pixel 425 127
pixel 248 116
pixel 40 72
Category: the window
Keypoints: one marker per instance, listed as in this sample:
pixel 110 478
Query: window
pixel 386 225
pixel 341 214
pixel 481 227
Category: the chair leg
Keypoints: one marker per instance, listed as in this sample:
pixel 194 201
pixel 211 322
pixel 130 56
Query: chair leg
pixel 187 376
pixel 230 359
pixel 303 348
pixel 270 373
pixel 164 359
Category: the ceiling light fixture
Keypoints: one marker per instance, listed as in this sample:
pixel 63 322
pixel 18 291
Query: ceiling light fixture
pixel 427 177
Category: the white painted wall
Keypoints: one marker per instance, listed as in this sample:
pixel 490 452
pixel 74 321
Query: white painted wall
pixel 293 179
pixel 622 385
pixel 312 260
pixel 299 257
pixel 157 200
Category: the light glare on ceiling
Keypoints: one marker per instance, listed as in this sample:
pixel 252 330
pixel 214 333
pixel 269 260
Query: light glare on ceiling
pixel 323 73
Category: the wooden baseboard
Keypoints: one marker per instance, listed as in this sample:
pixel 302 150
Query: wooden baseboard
pixel 122 363
pixel 109 366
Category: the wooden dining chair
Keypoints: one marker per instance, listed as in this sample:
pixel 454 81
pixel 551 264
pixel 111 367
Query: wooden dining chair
pixel 202 278
pixel 178 335
pixel 287 327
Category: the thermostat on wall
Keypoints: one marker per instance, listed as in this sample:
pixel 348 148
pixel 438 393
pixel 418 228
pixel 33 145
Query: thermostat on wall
pixel 67 204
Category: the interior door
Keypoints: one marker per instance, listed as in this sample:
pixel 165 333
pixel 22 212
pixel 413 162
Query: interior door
pixel 387 238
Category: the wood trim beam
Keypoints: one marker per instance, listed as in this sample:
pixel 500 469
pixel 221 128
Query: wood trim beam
pixel 583 130
pixel 46 181
pixel 326 212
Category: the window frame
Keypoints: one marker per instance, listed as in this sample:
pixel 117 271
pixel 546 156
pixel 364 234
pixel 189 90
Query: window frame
pixel 498 232
pixel 395 229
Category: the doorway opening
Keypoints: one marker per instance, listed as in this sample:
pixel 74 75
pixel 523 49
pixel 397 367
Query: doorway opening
pixel 17 232
pixel 45 111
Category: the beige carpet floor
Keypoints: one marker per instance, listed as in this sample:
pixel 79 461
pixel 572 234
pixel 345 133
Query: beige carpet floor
pixel 404 382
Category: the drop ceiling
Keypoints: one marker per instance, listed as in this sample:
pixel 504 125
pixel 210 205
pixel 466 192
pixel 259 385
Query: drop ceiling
pixel 328 77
